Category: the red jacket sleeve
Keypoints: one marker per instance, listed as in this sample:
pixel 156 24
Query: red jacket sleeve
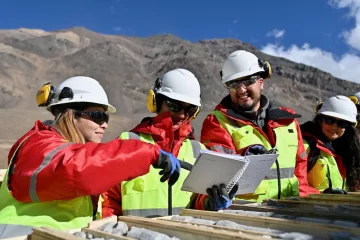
pixel 301 167
pixel 44 171
pixel 111 204
pixel 215 137
pixel 197 201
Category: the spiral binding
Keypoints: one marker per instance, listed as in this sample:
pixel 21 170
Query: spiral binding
pixel 237 176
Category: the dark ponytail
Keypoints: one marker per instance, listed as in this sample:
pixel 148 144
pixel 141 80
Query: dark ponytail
pixel 348 147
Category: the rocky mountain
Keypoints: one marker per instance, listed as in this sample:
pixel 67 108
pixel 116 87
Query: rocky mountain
pixel 128 66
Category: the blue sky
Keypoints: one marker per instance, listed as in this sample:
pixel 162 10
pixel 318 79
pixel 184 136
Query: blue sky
pixel 321 33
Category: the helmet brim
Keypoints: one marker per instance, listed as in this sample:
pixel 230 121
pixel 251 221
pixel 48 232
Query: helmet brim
pixel 182 98
pixel 338 115
pixel 110 108
pixel 242 74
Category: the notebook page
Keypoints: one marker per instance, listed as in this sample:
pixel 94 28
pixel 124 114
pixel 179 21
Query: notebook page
pixel 213 168
pixel 259 166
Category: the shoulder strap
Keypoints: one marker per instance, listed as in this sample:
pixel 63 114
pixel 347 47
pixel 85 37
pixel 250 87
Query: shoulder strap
pixel 313 154
pixel 195 147
pixel 134 135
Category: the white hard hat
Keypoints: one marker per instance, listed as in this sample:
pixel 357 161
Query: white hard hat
pixel 85 89
pixel 182 85
pixel 240 64
pixel 339 107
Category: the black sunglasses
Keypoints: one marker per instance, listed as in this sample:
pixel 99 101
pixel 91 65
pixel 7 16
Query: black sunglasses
pixel 339 123
pixel 96 116
pixel 177 106
pixel 243 82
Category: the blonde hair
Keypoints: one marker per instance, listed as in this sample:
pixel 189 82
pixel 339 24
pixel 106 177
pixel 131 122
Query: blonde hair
pixel 65 124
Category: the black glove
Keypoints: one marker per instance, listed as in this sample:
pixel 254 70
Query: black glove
pixel 170 166
pixel 256 149
pixel 218 198
pixel 335 191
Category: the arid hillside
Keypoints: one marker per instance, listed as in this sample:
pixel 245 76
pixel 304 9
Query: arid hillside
pixel 127 67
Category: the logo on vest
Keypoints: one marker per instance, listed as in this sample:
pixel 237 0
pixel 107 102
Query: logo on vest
pixel 291 130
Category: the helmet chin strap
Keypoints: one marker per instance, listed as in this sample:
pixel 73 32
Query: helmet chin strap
pixel 58 117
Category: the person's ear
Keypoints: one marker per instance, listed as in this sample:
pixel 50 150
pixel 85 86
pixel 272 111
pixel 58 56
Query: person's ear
pixel 261 83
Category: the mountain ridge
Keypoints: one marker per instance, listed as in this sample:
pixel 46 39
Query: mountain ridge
pixel 127 67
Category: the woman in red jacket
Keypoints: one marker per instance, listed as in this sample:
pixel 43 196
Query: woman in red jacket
pixel 175 98
pixel 332 142
pixel 58 169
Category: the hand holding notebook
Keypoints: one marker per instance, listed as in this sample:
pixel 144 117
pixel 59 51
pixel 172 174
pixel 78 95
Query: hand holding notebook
pixel 213 168
pixel 219 198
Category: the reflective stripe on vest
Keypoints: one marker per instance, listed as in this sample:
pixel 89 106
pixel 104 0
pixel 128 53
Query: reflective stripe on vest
pixel 317 176
pixel 284 173
pixel 146 195
pixel 59 214
pixel 286 144
pixel 32 190
pixel 14 230
pixel 222 149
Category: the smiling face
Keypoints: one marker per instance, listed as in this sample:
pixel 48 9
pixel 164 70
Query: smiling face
pixel 91 131
pixel 247 97
pixel 331 128
pixel 179 111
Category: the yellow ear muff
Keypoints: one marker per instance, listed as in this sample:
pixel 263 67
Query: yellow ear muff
pixel 44 94
pixel 151 101
pixel 318 106
pixel 268 69
pixel 354 99
pixel 151 96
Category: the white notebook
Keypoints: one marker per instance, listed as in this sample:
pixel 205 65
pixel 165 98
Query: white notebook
pixel 213 168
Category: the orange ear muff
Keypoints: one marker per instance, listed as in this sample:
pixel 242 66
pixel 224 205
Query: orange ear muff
pixel 318 106
pixel 354 99
pixel 44 95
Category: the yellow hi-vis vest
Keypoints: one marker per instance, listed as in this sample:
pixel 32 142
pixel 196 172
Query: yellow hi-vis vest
pixel 146 195
pixel 325 166
pixel 287 146
pixel 59 214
